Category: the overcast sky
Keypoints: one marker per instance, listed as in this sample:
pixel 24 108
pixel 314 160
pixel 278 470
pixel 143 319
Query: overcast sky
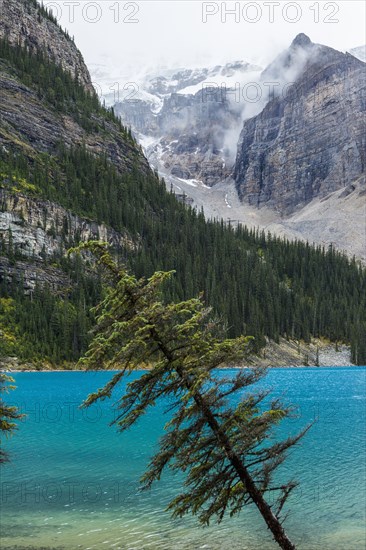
pixel 126 37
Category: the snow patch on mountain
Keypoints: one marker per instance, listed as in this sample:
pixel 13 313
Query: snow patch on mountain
pixel 359 52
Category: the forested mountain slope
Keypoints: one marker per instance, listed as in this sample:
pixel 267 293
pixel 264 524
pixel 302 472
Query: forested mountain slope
pixel 70 171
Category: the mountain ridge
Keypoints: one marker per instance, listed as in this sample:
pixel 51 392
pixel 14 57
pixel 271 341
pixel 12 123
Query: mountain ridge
pixel 310 142
pixel 33 26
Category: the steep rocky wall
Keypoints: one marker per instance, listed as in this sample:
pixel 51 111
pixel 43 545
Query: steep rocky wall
pixel 21 20
pixel 31 124
pixel 40 229
pixel 310 142
pixel 34 274
pixel 190 131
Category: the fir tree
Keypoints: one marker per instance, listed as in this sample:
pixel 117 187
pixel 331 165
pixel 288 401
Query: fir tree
pixel 225 450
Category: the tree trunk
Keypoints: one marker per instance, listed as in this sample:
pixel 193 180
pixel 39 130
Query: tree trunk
pixel 273 523
pixel 269 517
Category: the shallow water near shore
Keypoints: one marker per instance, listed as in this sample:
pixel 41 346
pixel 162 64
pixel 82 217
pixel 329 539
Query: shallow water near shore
pixel 73 480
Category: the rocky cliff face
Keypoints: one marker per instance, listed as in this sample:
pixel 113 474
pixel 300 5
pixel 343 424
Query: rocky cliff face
pixel 139 115
pixel 194 129
pixel 41 229
pixel 309 141
pixel 26 22
pixel 33 274
pixel 28 122
pixel 189 133
pixel 192 115
pixel 31 126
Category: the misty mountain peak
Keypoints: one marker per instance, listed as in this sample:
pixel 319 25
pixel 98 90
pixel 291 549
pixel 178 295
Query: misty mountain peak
pixel 301 40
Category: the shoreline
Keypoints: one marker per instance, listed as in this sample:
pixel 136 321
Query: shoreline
pixel 295 367
pixel 284 354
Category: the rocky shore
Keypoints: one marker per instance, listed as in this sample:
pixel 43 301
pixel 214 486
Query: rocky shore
pixel 287 353
pixel 291 353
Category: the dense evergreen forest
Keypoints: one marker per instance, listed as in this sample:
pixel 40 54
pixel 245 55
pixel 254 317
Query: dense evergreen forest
pixel 256 283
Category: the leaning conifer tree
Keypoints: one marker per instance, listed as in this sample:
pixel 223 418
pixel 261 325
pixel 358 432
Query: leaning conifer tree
pixel 225 450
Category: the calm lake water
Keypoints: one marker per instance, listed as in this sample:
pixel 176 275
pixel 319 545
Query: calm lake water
pixel 73 480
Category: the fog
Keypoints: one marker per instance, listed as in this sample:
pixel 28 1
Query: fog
pixel 130 37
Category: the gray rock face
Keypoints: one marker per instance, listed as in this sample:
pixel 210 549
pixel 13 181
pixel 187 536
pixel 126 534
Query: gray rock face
pixel 139 115
pixel 311 140
pixel 34 274
pixel 22 21
pixel 198 112
pixel 194 130
pixel 30 123
pixel 41 229
pixel 301 40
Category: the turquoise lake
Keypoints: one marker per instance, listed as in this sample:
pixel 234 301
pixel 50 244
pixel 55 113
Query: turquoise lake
pixel 72 482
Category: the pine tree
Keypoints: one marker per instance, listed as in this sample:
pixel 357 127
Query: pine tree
pixel 225 450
